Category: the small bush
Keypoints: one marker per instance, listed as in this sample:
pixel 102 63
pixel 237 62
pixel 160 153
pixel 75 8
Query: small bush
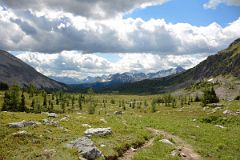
pixel 209 96
pixel 237 98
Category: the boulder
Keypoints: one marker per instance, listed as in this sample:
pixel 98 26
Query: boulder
pixel 118 112
pixel 175 153
pixel 219 126
pixel 86 125
pixel 16 125
pixel 31 123
pixel 53 115
pixel 23 124
pixel 64 119
pixel 215 105
pixel 49 153
pixel 227 112
pixel 64 129
pixel 21 133
pixel 98 131
pixel 50 122
pixel 166 141
pixel 103 120
pixel 238 112
pixel 86 148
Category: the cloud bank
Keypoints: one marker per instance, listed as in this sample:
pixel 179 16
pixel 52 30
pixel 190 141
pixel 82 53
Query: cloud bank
pixel 79 65
pixel 87 8
pixel 212 4
pixel 53 32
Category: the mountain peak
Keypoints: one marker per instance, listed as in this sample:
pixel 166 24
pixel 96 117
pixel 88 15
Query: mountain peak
pixel 237 41
pixel 13 70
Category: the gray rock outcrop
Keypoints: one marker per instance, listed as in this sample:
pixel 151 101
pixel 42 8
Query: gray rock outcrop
pixel 98 132
pixel 86 148
pixel 23 124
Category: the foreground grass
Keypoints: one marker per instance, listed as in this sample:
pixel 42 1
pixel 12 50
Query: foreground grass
pixel 129 129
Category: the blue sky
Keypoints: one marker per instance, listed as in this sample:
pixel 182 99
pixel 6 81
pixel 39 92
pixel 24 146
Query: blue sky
pixel 189 11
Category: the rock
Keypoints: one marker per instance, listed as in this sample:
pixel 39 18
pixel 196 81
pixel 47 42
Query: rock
pixel 98 131
pixel 118 112
pixel 46 113
pixel 23 124
pixel 86 125
pixel 227 112
pixel 166 141
pixel 64 119
pixel 205 108
pixel 215 109
pixel 21 133
pixel 219 126
pixel 64 129
pixel 31 123
pixel 86 148
pixel 102 145
pixel 175 153
pixel 215 105
pixel 103 120
pixel 16 125
pixel 81 117
pixel 49 153
pixel 183 154
pixel 51 122
pixel 194 120
pixel 133 149
pixel 238 112
pixel 53 115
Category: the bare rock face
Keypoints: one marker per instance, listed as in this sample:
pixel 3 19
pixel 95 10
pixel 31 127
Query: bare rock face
pixel 23 124
pixel 86 148
pixel 98 132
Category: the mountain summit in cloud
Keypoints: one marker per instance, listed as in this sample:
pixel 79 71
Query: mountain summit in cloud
pixel 126 77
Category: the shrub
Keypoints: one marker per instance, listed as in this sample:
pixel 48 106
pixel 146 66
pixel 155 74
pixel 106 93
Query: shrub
pixel 3 86
pixel 237 98
pixel 209 96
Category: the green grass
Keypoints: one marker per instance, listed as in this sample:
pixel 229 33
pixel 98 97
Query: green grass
pixel 128 129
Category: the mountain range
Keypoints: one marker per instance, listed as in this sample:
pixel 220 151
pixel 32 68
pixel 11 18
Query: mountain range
pixel 15 71
pixel 225 62
pixel 125 77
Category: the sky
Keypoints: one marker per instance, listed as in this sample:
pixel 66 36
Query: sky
pixel 80 38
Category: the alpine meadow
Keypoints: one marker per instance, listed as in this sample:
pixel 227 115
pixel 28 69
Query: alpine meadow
pixel 119 80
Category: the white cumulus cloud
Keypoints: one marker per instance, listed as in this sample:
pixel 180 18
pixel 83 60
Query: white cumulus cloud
pixel 78 65
pixel 26 31
pixel 212 4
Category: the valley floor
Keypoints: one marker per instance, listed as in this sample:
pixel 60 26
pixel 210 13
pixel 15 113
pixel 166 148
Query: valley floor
pixel 208 133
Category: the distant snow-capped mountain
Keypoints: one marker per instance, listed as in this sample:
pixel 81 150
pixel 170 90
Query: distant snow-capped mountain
pixel 125 77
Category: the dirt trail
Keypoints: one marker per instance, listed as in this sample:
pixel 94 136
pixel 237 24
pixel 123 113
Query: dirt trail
pixel 182 149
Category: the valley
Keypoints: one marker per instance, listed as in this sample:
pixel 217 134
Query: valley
pixel 211 132
pixel 119 80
